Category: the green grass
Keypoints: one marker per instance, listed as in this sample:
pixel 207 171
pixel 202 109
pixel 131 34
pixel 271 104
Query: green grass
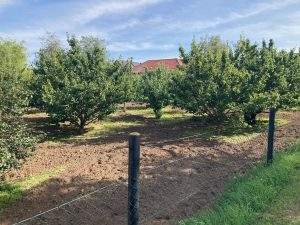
pixel 295 109
pixel 8 194
pixel 114 123
pixel 284 210
pixel 106 127
pixel 145 112
pixel 243 133
pixel 235 133
pixel 174 115
pixel 265 195
pixel 232 132
pixel 13 191
pixel 169 114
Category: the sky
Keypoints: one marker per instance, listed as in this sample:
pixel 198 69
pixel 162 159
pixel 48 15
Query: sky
pixel 150 29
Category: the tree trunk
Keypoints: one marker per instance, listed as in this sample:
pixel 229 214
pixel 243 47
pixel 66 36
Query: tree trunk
pixel 81 127
pixel 157 113
pixel 124 107
pixel 82 123
pixel 250 117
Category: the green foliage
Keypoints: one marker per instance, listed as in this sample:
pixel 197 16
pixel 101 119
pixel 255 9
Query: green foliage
pixel 219 81
pixel 124 80
pixel 288 81
pixel 11 192
pixel 246 58
pixel 285 209
pixel 139 88
pixel 47 67
pixel 210 83
pixel 78 84
pixel 156 89
pixel 273 77
pixel 15 142
pixel 246 199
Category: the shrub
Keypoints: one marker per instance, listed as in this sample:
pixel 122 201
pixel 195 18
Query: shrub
pixel 210 84
pixel 77 84
pixel 272 79
pixel 124 80
pixel 47 67
pixel 156 89
pixel 15 140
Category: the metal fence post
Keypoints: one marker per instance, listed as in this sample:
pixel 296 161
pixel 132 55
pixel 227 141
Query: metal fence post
pixel 271 135
pixel 133 179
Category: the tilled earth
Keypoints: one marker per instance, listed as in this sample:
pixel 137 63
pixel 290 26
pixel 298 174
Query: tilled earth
pixel 179 176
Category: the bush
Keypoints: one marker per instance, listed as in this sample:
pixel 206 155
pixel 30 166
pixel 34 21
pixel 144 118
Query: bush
pixel 272 79
pixel 124 80
pixel 47 67
pixel 155 86
pixel 15 140
pixel 78 84
pixel 220 81
pixel 210 84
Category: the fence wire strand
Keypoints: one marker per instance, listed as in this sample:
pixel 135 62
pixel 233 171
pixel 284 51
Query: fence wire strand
pixel 88 196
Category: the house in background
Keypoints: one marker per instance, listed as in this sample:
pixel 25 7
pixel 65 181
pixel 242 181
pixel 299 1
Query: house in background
pixel 155 63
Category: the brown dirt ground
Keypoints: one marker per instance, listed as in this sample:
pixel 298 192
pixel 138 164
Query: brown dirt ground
pixel 179 177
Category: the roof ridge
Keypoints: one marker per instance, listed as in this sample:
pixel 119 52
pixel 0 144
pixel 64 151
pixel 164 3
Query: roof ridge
pixel 162 59
pixel 170 63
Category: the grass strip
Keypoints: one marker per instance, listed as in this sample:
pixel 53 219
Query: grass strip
pixel 10 192
pixel 260 196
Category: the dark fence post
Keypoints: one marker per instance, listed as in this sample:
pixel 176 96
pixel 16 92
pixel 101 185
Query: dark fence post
pixel 271 135
pixel 133 179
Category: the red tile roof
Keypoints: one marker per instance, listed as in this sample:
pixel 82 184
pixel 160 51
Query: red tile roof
pixel 153 64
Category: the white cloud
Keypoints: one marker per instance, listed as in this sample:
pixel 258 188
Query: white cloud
pixel 24 35
pixel 138 46
pixel 234 16
pixel 117 6
pixel 135 22
pixel 4 3
pixel 286 34
pixel 75 18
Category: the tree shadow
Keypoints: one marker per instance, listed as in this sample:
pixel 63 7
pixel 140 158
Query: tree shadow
pixel 169 191
pixel 41 125
pixel 187 181
pixel 157 132
pixel 152 130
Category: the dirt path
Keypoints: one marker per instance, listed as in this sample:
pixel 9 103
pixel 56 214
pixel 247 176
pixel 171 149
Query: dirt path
pixel 178 178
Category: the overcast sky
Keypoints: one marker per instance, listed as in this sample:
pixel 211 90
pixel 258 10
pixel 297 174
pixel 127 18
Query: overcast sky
pixel 146 29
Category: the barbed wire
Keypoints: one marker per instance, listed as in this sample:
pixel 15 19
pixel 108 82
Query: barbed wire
pixel 102 189
pixel 65 203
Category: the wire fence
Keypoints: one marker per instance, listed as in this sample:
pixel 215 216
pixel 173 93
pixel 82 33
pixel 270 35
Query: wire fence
pixel 173 187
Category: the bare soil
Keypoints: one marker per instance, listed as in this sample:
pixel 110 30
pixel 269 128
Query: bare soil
pixel 179 176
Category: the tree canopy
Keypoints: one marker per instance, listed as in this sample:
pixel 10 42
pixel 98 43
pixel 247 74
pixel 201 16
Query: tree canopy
pixel 272 79
pixel 15 140
pixel 155 86
pixel 210 84
pixel 220 80
pixel 76 83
